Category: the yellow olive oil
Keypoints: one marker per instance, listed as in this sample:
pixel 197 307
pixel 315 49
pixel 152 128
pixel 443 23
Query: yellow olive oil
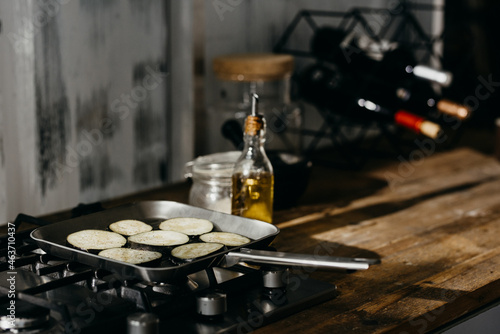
pixel 253 196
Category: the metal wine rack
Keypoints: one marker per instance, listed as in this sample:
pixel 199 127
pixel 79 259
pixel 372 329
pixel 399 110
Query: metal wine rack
pixel 355 142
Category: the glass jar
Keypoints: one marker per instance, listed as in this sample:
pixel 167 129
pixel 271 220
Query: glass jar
pixel 267 75
pixel 211 176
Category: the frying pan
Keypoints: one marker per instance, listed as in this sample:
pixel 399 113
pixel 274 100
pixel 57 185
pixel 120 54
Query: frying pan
pixel 52 239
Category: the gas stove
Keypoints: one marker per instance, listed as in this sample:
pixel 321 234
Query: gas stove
pixel 40 293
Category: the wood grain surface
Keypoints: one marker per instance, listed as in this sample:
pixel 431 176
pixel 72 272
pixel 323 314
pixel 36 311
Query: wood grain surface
pixel 435 230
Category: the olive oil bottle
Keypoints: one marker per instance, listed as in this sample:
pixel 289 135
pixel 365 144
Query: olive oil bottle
pixel 253 179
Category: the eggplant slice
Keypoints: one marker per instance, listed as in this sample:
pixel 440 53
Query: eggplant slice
pixel 187 225
pixel 130 227
pixel 132 256
pixel 157 239
pixel 95 240
pixel 190 252
pixel 225 238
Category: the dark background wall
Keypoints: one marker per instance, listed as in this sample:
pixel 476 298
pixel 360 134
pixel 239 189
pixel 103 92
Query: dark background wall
pixel 472 53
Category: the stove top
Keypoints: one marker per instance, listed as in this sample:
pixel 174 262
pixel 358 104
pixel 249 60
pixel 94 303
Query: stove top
pixel 40 293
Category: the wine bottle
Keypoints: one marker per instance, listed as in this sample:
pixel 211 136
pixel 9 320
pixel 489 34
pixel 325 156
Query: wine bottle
pixel 428 103
pixel 328 87
pixel 416 96
pixel 379 58
pixel 253 178
pixel 404 118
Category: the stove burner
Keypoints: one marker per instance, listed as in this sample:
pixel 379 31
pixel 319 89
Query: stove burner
pixel 162 288
pixel 143 323
pixel 168 289
pixel 211 304
pixel 25 315
pixel 274 278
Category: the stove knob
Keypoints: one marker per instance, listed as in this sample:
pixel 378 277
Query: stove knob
pixel 143 323
pixel 274 278
pixel 211 304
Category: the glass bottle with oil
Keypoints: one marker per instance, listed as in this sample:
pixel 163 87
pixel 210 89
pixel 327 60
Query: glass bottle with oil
pixel 253 179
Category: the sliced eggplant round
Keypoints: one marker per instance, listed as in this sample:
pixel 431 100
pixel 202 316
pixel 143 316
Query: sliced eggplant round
pixel 225 238
pixel 95 240
pixel 187 225
pixel 133 256
pixel 157 240
pixel 130 227
pixel 190 252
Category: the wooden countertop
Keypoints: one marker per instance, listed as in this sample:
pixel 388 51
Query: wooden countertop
pixel 435 227
pixel 434 223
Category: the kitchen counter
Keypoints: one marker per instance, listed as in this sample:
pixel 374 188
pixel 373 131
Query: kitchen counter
pixel 434 223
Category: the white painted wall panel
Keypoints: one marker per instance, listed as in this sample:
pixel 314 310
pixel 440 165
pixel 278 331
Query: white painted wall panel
pixel 3 190
pixel 84 102
pixel 17 105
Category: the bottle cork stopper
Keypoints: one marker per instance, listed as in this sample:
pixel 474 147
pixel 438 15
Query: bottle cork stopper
pixel 430 129
pixel 454 109
pixel 253 125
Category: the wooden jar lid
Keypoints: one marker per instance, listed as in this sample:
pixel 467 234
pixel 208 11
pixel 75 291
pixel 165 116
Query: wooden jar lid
pixel 253 66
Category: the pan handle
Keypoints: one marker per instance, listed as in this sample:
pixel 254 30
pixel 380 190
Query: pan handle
pixel 301 260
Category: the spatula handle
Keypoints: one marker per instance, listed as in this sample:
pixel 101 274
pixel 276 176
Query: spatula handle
pixel 299 260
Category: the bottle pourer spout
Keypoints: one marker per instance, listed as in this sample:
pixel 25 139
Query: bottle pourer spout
pixel 255 101
pixel 254 123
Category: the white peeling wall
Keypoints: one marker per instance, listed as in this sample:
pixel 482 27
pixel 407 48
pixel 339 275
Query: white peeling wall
pixel 83 102
pixel 3 192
